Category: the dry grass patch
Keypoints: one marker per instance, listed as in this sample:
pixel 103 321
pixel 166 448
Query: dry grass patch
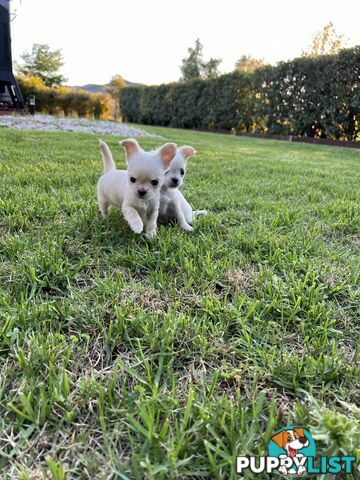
pixel 241 280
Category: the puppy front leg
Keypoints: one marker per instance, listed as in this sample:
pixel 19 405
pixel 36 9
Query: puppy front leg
pixel 151 223
pixel 187 211
pixel 282 469
pixel 133 218
pixel 181 218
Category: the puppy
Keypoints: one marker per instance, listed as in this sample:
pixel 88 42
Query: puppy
pixel 172 202
pixel 135 190
pixel 292 441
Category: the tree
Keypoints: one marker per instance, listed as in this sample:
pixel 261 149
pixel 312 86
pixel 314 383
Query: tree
pixel 210 69
pixel 325 42
pixel 43 63
pixel 248 64
pixel 116 84
pixel 193 66
pixel 113 88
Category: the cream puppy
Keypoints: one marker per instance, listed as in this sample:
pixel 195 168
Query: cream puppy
pixel 135 190
pixel 172 202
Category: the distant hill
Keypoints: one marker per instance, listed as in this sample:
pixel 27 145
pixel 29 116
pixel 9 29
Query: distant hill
pixel 94 88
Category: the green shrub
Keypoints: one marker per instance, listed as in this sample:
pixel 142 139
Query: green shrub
pixel 66 101
pixel 316 97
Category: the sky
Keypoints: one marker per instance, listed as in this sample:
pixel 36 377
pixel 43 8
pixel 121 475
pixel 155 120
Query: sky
pixel 145 40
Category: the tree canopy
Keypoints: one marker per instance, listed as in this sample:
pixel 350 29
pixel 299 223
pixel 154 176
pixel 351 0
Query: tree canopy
pixel 43 63
pixel 194 67
pixel 325 42
pixel 113 88
pixel 116 83
pixel 248 64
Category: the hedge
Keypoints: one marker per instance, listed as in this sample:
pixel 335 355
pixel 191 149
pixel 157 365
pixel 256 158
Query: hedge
pixel 317 97
pixel 65 100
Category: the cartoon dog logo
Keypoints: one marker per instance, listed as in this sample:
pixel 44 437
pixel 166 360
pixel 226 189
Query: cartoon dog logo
pixel 292 440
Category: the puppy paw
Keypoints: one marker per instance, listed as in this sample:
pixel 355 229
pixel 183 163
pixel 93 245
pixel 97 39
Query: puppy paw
pixel 150 229
pixel 151 233
pixel 301 470
pixel 283 471
pixel 137 228
pixel 187 227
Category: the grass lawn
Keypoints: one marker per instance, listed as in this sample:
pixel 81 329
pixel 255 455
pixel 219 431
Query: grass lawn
pixel 127 357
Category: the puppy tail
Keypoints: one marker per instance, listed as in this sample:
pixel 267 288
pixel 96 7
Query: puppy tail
pixel 109 163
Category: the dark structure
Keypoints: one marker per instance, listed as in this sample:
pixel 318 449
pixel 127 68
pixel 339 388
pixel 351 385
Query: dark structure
pixel 10 95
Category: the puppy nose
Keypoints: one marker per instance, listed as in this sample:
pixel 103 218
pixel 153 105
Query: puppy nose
pixel 303 440
pixel 174 180
pixel 142 192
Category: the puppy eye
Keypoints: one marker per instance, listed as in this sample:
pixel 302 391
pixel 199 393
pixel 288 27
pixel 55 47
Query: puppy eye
pixel 132 179
pixel 289 439
pixel 154 182
pixel 182 171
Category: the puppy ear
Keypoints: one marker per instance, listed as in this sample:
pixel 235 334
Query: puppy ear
pixel 299 431
pixel 167 152
pixel 131 146
pixel 187 151
pixel 279 439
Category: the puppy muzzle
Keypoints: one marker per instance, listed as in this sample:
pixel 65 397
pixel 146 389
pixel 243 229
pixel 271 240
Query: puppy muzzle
pixel 142 193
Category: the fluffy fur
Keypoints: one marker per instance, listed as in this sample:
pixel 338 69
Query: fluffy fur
pixel 135 190
pixel 173 204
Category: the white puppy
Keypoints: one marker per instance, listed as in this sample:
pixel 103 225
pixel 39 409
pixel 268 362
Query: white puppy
pixel 172 202
pixel 135 190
